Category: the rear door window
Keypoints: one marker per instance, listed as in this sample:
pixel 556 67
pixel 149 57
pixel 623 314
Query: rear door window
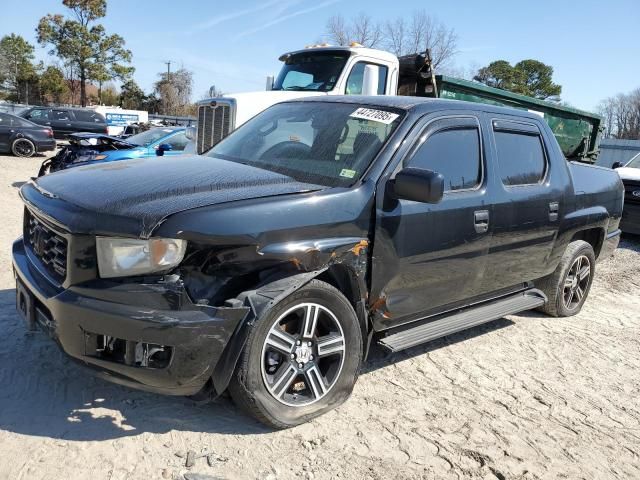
pixel 88 116
pixel 521 156
pixel 61 115
pixel 451 147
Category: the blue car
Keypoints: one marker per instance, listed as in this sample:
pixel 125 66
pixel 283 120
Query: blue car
pixel 90 148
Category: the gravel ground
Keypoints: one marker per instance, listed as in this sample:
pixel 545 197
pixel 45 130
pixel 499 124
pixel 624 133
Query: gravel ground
pixel 524 397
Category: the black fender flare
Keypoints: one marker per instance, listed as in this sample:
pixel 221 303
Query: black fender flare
pixel 258 301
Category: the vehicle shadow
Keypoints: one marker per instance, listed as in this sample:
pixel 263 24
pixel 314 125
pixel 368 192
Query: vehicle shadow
pixel 48 395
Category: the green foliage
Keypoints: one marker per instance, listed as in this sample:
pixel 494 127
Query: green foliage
pixel 16 68
pixel 85 45
pixel 53 86
pixel 131 96
pixel 527 77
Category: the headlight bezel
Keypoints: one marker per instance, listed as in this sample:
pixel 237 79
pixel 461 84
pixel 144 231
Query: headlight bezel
pixel 128 257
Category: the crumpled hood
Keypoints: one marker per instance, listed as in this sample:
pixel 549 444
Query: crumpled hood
pixel 142 192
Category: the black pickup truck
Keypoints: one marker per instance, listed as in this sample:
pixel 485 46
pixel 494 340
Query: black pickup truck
pixel 267 266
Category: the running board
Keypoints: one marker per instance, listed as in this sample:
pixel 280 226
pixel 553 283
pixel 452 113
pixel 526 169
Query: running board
pixel 462 320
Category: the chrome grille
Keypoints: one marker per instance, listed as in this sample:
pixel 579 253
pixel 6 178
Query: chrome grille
pixel 214 123
pixel 47 245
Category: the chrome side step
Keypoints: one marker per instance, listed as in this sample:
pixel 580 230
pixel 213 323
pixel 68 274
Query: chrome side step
pixel 464 319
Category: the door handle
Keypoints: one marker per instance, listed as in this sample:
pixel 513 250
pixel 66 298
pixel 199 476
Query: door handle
pixel 481 221
pixel 554 208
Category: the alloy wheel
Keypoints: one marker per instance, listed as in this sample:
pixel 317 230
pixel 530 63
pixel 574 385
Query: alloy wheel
pixel 303 354
pixel 576 282
pixel 23 148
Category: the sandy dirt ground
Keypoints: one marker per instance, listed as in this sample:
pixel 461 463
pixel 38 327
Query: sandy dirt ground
pixel 525 397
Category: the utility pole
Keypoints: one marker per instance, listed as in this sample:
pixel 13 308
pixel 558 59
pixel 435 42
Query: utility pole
pixel 168 70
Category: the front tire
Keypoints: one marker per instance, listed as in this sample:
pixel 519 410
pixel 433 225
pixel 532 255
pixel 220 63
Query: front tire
pixel 568 286
pixel 302 358
pixel 23 147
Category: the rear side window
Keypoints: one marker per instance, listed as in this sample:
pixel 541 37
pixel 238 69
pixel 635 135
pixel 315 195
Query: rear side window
pixel 455 153
pixel 88 116
pixel 521 158
pixel 61 115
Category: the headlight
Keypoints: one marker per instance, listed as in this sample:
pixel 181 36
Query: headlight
pixel 120 257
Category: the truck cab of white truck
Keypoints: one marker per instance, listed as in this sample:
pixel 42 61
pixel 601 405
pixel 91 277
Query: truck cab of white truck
pixel 315 70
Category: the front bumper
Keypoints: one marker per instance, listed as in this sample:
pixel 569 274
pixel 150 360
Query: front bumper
pixel 630 222
pixel 81 317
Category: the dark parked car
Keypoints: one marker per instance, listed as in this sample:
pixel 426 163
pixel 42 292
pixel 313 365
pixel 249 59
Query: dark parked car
pixel 65 121
pixel 268 265
pixel 22 137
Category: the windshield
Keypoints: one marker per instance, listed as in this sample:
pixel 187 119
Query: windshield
pixel 329 144
pixel 312 71
pixel 145 139
pixel 634 163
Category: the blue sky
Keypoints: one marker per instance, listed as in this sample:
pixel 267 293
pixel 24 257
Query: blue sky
pixel 593 46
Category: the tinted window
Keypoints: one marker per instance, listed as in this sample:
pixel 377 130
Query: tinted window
pixel 21 122
pixel 455 153
pixel 356 78
pixel 38 114
pixel 61 115
pixel 178 142
pixel 521 160
pixel 88 116
pixel 5 120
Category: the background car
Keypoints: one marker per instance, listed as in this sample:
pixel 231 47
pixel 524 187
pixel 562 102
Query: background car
pixel 65 121
pixel 86 148
pixel 24 138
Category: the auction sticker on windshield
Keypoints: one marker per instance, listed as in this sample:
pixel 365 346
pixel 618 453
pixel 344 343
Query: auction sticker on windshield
pixel 381 116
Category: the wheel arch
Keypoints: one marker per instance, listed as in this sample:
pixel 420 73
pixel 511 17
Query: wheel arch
pixel 593 236
pixel 341 276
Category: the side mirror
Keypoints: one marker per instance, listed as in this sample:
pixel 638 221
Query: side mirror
pixel 163 147
pixel 370 80
pixel 190 132
pixel 418 185
pixel 617 165
pixel 269 84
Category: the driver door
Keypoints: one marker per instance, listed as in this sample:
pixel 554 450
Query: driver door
pixel 429 258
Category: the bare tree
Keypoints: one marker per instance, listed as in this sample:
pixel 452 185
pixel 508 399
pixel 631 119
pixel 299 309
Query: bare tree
pixel 395 32
pixel 337 30
pixel 365 31
pixel 621 115
pixel 361 29
pixel 419 33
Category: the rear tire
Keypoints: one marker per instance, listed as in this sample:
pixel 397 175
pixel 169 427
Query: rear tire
pixel 302 358
pixel 568 286
pixel 23 147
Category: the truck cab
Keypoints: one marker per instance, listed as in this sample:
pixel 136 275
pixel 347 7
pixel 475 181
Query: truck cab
pixel 313 71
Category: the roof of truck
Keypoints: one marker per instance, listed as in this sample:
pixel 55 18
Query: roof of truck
pixel 421 104
pixel 368 52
